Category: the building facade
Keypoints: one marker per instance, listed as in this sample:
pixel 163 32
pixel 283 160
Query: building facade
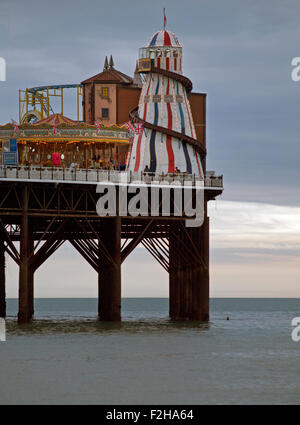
pixel 109 96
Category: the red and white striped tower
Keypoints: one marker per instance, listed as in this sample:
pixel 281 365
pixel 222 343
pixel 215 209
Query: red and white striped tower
pixel 168 142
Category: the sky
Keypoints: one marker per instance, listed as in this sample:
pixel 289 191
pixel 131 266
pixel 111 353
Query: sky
pixel 239 53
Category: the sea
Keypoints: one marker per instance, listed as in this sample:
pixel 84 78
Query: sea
pixel 67 357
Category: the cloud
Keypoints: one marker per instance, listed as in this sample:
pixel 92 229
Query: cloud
pixel 255 250
pixel 253 226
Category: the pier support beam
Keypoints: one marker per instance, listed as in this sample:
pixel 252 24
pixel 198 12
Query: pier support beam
pixel 189 280
pixel 31 279
pixel 174 279
pixel 109 280
pixel 2 281
pixel 25 270
pixel 200 276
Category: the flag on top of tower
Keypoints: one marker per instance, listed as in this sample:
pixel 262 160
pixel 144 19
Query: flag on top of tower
pixel 165 19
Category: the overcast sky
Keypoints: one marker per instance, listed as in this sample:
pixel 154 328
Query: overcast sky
pixel 239 52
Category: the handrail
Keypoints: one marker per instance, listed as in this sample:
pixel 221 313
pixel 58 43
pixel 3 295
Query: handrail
pixel 96 175
pixel 186 82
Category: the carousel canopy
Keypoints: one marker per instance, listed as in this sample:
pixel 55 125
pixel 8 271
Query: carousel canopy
pixel 60 128
pixel 55 120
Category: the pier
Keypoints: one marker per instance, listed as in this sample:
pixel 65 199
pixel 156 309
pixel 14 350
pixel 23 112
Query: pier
pixel 40 209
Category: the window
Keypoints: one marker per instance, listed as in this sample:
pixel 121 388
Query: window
pixel 104 112
pixel 143 53
pixel 104 91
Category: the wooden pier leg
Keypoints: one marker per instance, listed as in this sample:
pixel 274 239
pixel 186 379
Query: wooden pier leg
pixel 186 286
pixel 180 280
pixel 174 280
pixel 25 270
pixel 31 280
pixel 200 279
pixel 2 281
pixel 189 282
pixel 109 282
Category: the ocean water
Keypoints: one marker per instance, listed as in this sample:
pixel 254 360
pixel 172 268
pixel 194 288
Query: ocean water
pixel 66 356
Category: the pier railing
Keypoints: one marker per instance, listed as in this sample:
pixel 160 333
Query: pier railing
pixel 92 175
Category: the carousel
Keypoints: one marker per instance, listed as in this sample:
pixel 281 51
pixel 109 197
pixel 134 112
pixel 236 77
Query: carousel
pixel 58 141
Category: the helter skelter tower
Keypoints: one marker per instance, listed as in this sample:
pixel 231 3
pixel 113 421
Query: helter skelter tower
pixel 168 142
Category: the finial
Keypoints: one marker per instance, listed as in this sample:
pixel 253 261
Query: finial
pixel 165 19
pixel 105 64
pixel 111 62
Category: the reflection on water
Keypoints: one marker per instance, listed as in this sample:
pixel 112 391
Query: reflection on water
pixel 79 316
pixel 46 326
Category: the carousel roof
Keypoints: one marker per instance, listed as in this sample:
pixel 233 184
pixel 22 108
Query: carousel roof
pixel 60 128
pixel 56 119
pixel 60 121
pixel 164 38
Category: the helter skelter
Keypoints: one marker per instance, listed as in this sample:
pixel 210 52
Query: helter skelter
pixel 169 143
